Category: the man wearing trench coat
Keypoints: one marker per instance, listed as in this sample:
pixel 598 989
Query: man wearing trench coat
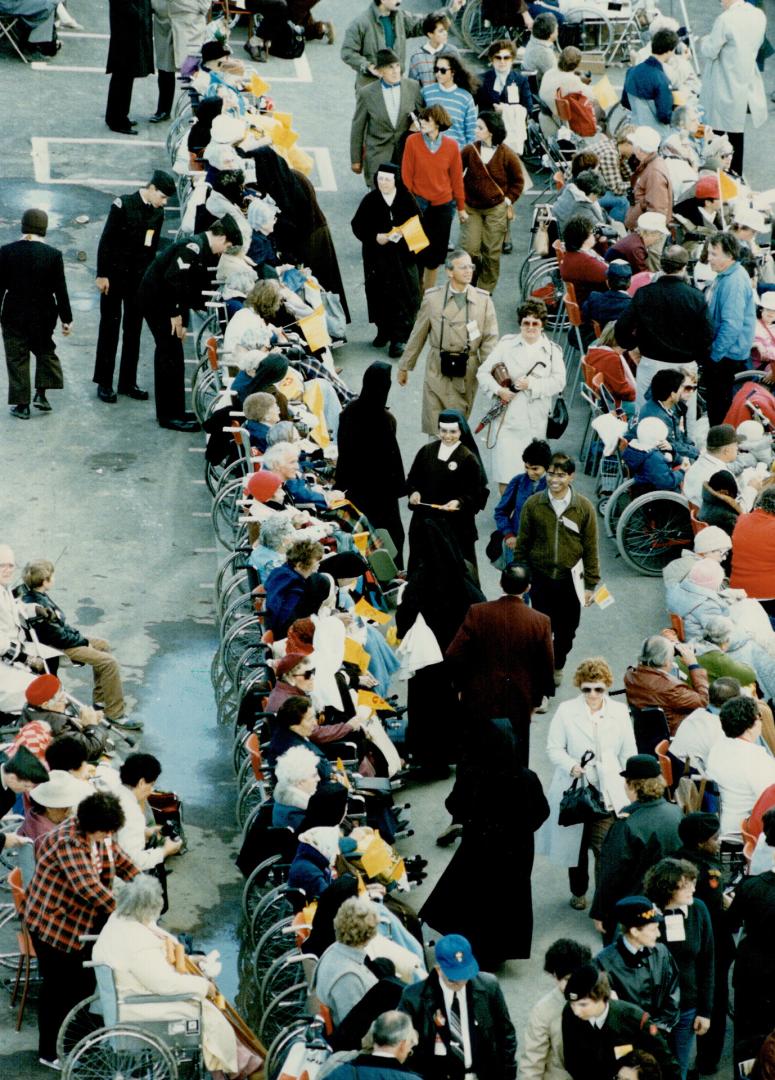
pixel 130 57
pixel 453 318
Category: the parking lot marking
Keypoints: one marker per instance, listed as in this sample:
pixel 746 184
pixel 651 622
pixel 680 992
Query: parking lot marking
pixel 41 160
pixel 325 167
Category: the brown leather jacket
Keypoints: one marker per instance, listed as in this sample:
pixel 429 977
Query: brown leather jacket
pixel 651 686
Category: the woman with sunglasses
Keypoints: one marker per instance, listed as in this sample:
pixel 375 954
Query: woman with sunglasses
pixel 454 90
pixel 531 371
pixel 589 723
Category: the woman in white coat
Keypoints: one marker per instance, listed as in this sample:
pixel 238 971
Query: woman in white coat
pixel 732 84
pixel 536 373
pixel 137 950
pixel 590 722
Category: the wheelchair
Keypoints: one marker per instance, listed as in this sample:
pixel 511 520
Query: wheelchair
pixel 158 1049
pixel 651 529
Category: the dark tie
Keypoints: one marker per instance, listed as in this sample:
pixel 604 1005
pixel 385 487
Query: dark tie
pixel 456 1030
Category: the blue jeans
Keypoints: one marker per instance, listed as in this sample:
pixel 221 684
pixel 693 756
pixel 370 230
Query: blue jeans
pixel 683 1040
pixel 616 205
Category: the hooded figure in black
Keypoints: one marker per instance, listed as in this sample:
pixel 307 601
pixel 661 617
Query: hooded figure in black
pixel 501 804
pixel 369 468
pixel 200 134
pixel 441 589
pixel 447 474
pixel 389 267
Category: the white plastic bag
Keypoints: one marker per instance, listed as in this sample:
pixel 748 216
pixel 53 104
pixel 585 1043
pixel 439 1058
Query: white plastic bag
pixel 418 649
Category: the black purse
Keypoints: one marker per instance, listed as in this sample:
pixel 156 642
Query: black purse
pixel 453 365
pixel 582 802
pixel 558 419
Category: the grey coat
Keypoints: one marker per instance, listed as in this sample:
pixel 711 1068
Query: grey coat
pixel 372 137
pixel 731 81
pixel 365 36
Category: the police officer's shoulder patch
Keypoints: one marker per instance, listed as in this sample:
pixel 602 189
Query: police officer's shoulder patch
pixel 193 247
pixel 117 202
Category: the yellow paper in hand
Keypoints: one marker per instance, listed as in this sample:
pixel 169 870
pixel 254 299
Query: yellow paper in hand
pixel 728 187
pixel 361 541
pixel 354 653
pixel 258 86
pixel 602 597
pixel 372 700
pixel 313 399
pixel 414 234
pixel 314 329
pixel 368 611
pixel 604 93
pixel 377 859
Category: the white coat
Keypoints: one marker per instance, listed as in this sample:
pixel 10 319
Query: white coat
pixel 731 81
pixel 527 414
pixel 571 733
pixel 138 956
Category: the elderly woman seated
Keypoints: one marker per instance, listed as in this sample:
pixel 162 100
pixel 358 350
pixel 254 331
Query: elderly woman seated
pixel 52 802
pixel 296 780
pixel 270 544
pixel 261 413
pixel 286 586
pixel 710 543
pixel 142 958
pixel 295 676
pixel 725 650
pixel 293 725
pixel 283 459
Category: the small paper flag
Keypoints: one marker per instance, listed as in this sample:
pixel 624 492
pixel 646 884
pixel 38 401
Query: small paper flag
pixel 604 93
pixel 354 653
pixel 414 234
pixel 602 597
pixel 314 329
pixel 285 118
pixel 283 136
pixel 372 700
pixel 313 399
pixel 258 86
pixel 368 611
pixel 391 637
pixel 361 541
pixel 728 187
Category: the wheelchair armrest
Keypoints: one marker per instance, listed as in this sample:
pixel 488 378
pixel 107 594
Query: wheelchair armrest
pixel 156 999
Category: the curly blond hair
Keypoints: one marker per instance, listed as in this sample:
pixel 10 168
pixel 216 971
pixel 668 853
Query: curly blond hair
pixel 595 669
pixel 356 922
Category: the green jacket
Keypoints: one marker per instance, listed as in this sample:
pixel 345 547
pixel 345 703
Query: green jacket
pixel 365 36
pixel 553 548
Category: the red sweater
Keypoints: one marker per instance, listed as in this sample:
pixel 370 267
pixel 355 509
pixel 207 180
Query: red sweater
pixel 584 270
pixel 753 555
pixel 436 177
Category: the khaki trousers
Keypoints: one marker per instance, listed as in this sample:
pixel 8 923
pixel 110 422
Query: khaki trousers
pixel 482 237
pixel 107 678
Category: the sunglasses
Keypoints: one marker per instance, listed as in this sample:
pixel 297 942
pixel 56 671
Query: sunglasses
pixel 593 689
pixel 689 388
pixel 503 56
pixel 307 674
pixel 442 69
pixel 532 322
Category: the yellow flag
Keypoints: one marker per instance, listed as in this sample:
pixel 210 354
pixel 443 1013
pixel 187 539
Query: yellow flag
pixel 728 187
pixel 285 118
pixel 378 860
pixel 314 329
pixel 604 93
pixel 372 700
pixel 414 234
pixel 258 86
pixel 368 611
pixel 283 136
pixel 354 653
pixel 313 399
pixel 361 541
pixel 391 637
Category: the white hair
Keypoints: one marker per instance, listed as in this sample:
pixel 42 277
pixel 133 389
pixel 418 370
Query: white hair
pixel 278 453
pixel 295 765
pixel 140 899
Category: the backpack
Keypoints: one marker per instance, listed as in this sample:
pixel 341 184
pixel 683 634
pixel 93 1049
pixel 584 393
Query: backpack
pixel 288 41
pixel 577 111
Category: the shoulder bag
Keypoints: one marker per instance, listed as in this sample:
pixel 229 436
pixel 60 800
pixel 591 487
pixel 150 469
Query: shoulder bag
pixel 581 802
pixel 558 419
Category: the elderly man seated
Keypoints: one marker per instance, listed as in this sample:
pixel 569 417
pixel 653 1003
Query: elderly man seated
pixel 47 702
pixel 724 650
pixel 393 1039
pixel 721 450
pixel 653 682
pixel 18 664
pixel 739 764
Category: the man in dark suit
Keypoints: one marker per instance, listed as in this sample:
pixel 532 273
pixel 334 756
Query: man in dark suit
pixel 127 247
pixel 382 117
pixel 33 295
pixel 460 1016
pixel 172 285
pixel 502 659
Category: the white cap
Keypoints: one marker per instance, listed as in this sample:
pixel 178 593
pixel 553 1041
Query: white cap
pixel 711 538
pixel 227 129
pixel 750 430
pixel 767 301
pixel 61 790
pixel 644 138
pixel 650 433
pixel 750 219
pixel 653 221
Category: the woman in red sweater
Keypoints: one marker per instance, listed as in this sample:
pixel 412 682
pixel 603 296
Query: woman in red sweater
pixel 432 171
pixel 753 551
pixel 581 266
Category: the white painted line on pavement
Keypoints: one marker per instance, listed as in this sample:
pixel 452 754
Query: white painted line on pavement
pixel 325 167
pixel 303 73
pixel 41 160
pixel 43 65
pixel 196 449
pixel 83 34
pixel 301 64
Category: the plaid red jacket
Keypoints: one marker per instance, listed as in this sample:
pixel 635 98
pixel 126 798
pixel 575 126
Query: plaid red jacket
pixel 67 897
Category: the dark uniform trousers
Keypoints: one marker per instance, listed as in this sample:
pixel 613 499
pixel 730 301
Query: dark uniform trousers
pixel 557 598
pixel 168 368
pixel 48 370
pixel 122 294
pixel 64 982
pixel 119 99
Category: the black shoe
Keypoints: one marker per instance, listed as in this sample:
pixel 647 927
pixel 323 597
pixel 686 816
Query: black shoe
pixel 396 349
pixel 105 393
pixel 21 412
pixel 158 117
pixel 122 129
pixel 380 341
pixel 135 392
pixel 40 401
pixel 452 833
pixel 124 724
pixel 507 248
pixel 180 425
pixel 131 122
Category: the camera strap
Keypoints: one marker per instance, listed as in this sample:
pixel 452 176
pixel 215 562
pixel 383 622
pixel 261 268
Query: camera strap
pixel 443 308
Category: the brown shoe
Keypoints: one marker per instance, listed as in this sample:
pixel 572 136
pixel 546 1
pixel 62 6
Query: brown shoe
pixel 329 32
pixel 578 903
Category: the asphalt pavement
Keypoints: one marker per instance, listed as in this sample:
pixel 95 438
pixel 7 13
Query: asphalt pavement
pixel 121 505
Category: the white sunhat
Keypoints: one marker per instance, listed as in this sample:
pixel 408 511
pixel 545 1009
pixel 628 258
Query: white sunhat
pixel 61 790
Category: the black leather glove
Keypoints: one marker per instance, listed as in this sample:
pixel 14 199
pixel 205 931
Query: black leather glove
pixel 46 613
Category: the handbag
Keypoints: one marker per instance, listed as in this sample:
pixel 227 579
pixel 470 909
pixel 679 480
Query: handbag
pixel 581 802
pixel 558 419
pixel 453 365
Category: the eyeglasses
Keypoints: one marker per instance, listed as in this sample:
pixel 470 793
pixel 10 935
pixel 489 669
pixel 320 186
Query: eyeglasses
pixel 442 69
pixel 532 322
pixel 689 388
pixel 503 56
pixel 7 565
pixel 593 689
pixel 307 674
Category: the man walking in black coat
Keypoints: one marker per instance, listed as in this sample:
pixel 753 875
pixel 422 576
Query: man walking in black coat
pixel 127 247
pixel 460 1016
pixel 130 57
pixel 394 1039
pixel 33 295
pixel 172 285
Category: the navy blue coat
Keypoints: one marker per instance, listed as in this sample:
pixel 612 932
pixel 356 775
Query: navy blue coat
pixel 367 1067
pixel 284 590
pixel 487 96
pixel 310 871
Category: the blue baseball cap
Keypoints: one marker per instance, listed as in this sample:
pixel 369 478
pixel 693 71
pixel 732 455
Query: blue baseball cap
pixel 455 958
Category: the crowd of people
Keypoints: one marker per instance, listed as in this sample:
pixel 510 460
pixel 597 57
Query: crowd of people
pixel 670 789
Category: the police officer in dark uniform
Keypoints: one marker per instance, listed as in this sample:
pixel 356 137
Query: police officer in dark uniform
pixel 173 285
pixel 598 1030
pixel 640 968
pixel 127 246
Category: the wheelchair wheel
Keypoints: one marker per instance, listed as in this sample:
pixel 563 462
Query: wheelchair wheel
pixel 238 585
pixel 653 530
pixel 226 512
pixel 272 907
pixel 283 1010
pixel 278 1051
pixel 283 973
pixel 209 328
pixel 121 1051
pixel 266 876
pixel 78 1023
pixel 597 34
pixel 204 390
pixel 614 505
pixel 250 796
pixel 278 940
pixel 242 635
pixel 240 604
pixel 232 565
pixel 477 32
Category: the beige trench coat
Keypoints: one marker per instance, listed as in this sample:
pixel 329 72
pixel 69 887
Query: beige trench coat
pixel 439 392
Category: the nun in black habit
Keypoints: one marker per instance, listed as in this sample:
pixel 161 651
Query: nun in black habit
pixel 501 804
pixel 389 267
pixel 448 484
pixel 369 468
pixel 441 589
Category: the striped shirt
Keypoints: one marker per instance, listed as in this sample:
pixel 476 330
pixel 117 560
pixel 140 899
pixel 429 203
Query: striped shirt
pixel 423 62
pixel 461 108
